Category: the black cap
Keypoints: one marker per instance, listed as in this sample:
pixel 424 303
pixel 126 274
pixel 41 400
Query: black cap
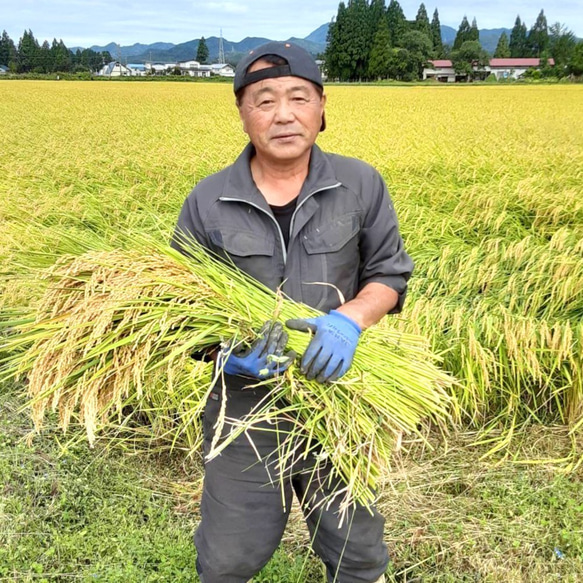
pixel 299 64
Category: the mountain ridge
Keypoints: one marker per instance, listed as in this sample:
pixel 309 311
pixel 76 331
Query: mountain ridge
pixel 314 43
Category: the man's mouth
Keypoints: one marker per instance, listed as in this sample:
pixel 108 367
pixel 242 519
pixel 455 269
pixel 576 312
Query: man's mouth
pixel 284 136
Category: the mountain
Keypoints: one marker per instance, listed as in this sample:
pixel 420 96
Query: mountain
pixel 315 43
pixel 448 34
pixel 130 51
pixel 310 46
pixel 319 35
pixel 489 38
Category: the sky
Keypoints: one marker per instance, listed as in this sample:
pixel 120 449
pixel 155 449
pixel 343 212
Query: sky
pixel 98 22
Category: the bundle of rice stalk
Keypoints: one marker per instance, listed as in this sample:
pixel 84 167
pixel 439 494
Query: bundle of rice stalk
pixel 114 323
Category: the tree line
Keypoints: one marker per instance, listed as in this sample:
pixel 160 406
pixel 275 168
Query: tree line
pixel 29 56
pixel 368 40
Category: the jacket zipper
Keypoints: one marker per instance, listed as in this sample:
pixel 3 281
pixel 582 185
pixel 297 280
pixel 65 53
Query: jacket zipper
pixel 272 218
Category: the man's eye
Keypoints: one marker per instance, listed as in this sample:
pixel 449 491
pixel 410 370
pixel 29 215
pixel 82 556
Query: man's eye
pixel 265 102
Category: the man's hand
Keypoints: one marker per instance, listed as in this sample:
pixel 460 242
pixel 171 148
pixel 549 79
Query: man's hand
pixel 331 350
pixel 263 359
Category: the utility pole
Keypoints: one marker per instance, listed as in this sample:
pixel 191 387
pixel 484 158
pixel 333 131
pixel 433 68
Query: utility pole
pixel 221 49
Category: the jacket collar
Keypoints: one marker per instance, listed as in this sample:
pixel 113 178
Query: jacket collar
pixel 241 186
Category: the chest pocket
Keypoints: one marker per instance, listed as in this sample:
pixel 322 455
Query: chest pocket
pixel 332 257
pixel 242 243
pixel 333 236
pixel 250 252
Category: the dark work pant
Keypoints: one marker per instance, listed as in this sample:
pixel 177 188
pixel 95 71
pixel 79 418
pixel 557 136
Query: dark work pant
pixel 245 505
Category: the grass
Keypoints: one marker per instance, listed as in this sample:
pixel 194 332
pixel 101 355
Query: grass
pixel 71 513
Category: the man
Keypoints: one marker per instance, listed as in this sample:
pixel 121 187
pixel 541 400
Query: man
pixel 322 228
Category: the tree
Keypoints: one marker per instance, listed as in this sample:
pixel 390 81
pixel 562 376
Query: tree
pixel 358 47
pixel 502 48
pixel 336 55
pixel 518 44
pixel 538 37
pixel 8 53
pixel 562 43
pixel 380 54
pixel 397 23
pixel 61 56
pixel 436 35
pixel 419 47
pixel 422 22
pixel 399 65
pixel 575 66
pixel 463 33
pixel 470 59
pixel 376 13
pixel 28 52
pixel 474 33
pixel 202 52
pixel 45 62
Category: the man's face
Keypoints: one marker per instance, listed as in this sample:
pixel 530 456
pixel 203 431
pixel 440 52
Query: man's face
pixel 281 116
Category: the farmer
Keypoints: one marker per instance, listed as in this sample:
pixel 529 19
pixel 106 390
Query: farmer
pixel 322 228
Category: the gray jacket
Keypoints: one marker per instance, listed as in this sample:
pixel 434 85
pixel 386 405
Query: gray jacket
pixel 344 231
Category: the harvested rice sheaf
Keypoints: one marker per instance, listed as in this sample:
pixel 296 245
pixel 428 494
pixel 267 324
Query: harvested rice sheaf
pixel 113 326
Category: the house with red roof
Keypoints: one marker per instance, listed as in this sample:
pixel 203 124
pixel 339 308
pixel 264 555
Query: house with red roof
pixel 443 70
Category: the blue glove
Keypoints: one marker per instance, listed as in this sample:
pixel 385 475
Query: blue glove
pixel 264 358
pixel 331 350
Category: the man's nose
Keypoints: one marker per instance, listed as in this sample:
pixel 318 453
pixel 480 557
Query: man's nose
pixel 284 111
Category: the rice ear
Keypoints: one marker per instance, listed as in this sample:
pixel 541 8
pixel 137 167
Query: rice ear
pixel 115 325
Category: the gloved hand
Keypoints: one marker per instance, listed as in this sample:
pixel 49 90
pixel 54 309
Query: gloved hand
pixel 331 350
pixel 263 359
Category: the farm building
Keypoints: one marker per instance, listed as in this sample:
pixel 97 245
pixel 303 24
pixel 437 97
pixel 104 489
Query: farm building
pixel 192 68
pixel 514 68
pixel 3 70
pixel 157 68
pixel 137 69
pixel 222 70
pixel 503 69
pixel 188 65
pixel 115 69
pixel 200 71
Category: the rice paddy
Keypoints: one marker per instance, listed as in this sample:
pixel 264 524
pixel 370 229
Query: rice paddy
pixel 487 182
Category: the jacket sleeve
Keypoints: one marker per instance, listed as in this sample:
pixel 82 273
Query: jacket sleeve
pixel 382 253
pixel 189 226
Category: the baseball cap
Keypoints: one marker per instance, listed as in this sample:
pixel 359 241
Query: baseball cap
pixel 299 64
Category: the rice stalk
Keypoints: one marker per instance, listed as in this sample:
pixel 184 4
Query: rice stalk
pixel 113 325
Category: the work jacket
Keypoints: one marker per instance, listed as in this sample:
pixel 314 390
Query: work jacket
pixel 343 234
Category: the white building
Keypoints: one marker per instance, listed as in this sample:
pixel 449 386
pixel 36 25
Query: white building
pixel 222 70
pixel 3 70
pixel 200 71
pixel 137 69
pixel 155 68
pixel 191 68
pixel 514 68
pixel 115 69
pixel 503 69
pixel 442 71
pixel 189 64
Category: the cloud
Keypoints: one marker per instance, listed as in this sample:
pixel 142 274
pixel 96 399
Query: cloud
pixel 228 7
pixel 89 22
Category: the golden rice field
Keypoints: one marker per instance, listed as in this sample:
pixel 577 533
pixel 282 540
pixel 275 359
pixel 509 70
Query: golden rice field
pixel 487 181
